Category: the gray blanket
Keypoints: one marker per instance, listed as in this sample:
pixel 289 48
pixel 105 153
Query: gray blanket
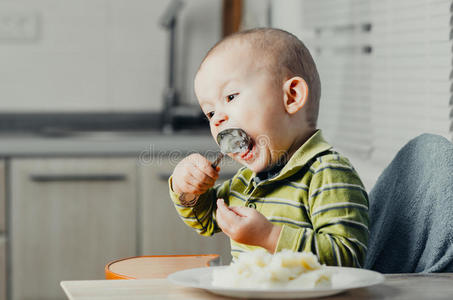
pixel 411 210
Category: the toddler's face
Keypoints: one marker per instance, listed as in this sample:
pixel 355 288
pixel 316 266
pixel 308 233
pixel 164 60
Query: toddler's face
pixel 236 91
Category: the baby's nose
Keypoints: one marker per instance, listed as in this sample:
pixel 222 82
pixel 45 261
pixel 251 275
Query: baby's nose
pixel 220 118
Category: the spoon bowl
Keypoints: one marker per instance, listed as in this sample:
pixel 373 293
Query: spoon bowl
pixel 233 140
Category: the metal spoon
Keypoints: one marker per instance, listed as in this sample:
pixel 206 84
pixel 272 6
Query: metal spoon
pixel 232 140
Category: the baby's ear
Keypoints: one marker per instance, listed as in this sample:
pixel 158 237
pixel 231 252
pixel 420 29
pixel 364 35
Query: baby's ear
pixel 295 95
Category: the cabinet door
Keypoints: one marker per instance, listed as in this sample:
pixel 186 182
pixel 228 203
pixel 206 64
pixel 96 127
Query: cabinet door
pixel 2 198
pixel 69 217
pixel 2 232
pixel 2 268
pixel 163 232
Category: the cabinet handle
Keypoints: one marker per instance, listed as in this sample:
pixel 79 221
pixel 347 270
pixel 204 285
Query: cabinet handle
pixel 76 177
pixel 222 176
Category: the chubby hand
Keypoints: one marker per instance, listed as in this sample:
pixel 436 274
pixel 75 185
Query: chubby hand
pixel 247 226
pixel 194 175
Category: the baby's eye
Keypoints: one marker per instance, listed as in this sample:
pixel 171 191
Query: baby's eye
pixel 209 115
pixel 231 97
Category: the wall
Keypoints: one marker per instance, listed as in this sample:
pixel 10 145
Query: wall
pixel 97 55
pixel 385 68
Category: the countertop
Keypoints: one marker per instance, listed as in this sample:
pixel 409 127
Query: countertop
pixel 396 286
pixel 139 144
pixel 106 143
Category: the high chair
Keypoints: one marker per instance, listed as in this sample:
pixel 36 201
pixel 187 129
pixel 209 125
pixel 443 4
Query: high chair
pixel 157 266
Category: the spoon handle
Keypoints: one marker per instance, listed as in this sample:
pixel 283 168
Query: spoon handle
pixel 217 160
pixel 190 200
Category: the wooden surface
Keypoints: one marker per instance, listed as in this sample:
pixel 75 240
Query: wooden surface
pixel 396 286
pixel 231 16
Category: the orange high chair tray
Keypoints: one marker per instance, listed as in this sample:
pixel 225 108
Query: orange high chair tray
pixel 157 266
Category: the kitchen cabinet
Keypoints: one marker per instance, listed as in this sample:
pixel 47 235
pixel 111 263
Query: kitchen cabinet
pixel 2 198
pixel 163 232
pixel 2 231
pixel 2 268
pixel 69 217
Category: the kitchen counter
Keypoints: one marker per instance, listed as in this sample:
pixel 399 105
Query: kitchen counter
pixel 396 286
pixel 106 143
pixel 140 144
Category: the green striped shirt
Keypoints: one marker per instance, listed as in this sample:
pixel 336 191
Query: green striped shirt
pixel 317 198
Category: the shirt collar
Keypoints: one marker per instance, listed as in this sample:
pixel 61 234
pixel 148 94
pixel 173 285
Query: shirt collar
pixel 311 148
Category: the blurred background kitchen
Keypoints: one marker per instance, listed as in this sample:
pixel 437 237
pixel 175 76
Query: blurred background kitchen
pixel 97 106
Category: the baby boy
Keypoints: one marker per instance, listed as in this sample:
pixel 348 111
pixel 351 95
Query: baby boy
pixel 294 192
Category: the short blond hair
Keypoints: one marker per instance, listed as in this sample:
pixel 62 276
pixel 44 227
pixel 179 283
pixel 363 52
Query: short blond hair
pixel 286 57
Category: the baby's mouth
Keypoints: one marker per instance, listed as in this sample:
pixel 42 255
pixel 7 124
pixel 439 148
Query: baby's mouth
pixel 237 143
pixel 246 154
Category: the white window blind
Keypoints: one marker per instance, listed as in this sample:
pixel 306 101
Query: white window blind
pixel 385 71
pixel 410 88
pixel 342 52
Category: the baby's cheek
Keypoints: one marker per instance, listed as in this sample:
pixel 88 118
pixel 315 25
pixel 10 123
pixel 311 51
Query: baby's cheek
pixel 213 131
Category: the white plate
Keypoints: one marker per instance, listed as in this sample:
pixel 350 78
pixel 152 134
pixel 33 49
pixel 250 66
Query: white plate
pixel 342 279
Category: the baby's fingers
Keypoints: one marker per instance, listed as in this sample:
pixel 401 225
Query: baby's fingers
pixel 192 185
pixel 199 167
pixel 229 218
pixel 189 188
pixel 204 165
pixel 222 219
pixel 201 176
pixel 242 211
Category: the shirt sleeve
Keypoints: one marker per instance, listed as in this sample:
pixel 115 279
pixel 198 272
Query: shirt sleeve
pixel 201 217
pixel 338 209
